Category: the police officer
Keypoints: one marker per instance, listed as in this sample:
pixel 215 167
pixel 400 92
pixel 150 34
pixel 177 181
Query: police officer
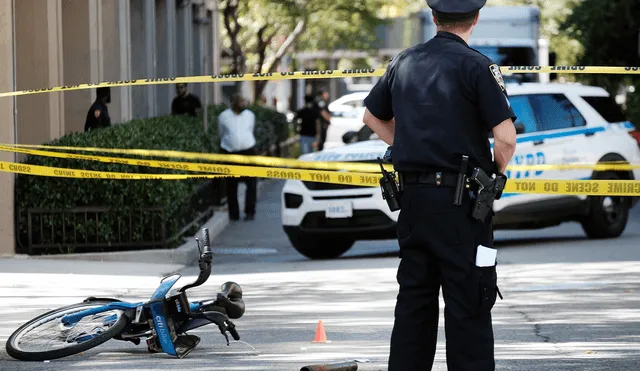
pixel 98 114
pixel 436 103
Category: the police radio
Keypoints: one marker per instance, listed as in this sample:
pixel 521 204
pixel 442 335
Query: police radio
pixel 388 185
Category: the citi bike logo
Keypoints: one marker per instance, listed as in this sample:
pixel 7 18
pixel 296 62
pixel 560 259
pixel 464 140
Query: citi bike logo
pixel 161 326
pixel 178 306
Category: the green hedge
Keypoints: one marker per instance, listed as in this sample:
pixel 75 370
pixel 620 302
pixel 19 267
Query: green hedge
pixel 179 200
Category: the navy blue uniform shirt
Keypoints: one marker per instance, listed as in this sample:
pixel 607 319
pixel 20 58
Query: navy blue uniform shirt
pixel 445 97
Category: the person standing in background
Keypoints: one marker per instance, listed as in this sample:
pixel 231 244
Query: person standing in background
pixel 185 103
pixel 236 130
pixel 309 126
pixel 98 115
pixel 322 108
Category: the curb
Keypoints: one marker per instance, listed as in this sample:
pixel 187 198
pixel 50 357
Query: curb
pixel 185 255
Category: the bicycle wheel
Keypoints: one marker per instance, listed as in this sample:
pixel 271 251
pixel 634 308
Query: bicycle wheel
pixel 45 337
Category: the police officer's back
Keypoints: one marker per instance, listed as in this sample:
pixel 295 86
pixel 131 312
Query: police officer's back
pixel 98 114
pixel 436 103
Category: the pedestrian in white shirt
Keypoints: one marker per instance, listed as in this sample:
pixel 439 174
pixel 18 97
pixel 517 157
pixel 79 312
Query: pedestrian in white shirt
pixel 235 128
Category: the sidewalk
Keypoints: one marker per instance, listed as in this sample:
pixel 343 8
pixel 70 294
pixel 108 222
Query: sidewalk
pixel 152 260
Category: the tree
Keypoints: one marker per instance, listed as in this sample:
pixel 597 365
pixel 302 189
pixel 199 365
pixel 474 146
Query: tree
pixel 608 32
pixel 259 33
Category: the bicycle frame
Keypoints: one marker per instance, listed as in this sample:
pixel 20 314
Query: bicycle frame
pixel 188 314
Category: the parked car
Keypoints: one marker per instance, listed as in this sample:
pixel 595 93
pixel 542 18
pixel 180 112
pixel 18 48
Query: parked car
pixel 347 112
pixel 348 105
pixel 557 124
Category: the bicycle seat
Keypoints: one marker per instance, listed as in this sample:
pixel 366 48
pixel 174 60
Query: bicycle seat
pixel 231 300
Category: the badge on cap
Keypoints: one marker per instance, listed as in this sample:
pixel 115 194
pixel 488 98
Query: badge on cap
pixel 495 71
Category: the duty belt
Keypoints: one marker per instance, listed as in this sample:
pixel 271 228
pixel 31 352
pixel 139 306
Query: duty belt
pixel 438 178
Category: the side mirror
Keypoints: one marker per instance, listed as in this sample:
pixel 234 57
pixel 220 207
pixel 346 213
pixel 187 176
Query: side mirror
pixel 519 127
pixel 349 137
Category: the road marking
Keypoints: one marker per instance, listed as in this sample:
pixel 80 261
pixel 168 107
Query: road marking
pixel 244 251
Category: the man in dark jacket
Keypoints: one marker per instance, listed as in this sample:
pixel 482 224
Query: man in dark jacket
pixel 98 115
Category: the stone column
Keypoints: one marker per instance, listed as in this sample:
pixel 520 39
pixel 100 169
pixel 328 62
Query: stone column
pixel 39 64
pixel 79 45
pixel 165 53
pixel 7 129
pixel 105 64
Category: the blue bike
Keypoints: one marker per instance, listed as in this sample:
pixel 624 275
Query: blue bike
pixel 163 321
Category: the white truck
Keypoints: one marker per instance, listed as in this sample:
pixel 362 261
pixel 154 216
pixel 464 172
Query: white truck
pixel 509 35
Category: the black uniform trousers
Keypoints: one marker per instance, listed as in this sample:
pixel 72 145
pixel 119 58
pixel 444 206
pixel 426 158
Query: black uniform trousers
pixel 438 243
pixel 232 189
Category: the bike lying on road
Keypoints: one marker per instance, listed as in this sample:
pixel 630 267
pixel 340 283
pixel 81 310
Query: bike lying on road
pixel 163 321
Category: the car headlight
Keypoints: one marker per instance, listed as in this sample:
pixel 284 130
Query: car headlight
pixel 292 201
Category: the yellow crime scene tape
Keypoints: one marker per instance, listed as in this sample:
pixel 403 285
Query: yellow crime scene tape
pixel 59 172
pixel 349 178
pixel 538 186
pixel 315 74
pixel 320 165
pixel 584 187
pixel 242 159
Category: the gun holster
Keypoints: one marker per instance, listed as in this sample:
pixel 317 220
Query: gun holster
pixel 388 185
pixel 489 190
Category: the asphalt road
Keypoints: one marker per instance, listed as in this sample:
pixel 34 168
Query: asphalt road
pixel 569 303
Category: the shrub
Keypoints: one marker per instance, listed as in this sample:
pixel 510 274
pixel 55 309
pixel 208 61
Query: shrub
pixel 177 201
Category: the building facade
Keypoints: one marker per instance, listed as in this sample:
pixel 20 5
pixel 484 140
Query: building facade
pixel 47 43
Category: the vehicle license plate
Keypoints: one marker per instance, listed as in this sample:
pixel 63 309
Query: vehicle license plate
pixel 339 210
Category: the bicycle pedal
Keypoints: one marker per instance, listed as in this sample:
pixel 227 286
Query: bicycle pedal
pixel 136 341
pixel 184 344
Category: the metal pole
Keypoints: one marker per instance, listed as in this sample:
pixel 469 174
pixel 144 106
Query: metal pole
pixel 150 40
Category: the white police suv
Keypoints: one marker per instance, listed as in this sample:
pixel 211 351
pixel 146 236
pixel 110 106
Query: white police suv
pixel 557 124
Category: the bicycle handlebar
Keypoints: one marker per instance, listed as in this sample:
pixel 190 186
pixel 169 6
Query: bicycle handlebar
pixel 205 240
pixel 204 262
pixel 234 333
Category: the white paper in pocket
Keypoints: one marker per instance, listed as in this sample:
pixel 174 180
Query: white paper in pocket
pixel 486 256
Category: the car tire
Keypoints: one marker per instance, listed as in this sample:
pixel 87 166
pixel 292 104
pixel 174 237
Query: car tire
pixel 607 215
pixel 321 247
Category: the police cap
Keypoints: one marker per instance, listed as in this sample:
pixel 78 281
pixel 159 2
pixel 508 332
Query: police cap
pixel 452 10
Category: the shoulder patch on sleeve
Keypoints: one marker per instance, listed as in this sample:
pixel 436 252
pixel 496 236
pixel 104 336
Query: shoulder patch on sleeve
pixel 321 104
pixel 497 75
pixel 96 113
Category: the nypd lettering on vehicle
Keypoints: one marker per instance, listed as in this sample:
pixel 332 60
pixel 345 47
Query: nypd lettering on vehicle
pixel 527 159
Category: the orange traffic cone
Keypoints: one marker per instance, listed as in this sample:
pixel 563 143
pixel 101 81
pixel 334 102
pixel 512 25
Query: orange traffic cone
pixel 321 336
